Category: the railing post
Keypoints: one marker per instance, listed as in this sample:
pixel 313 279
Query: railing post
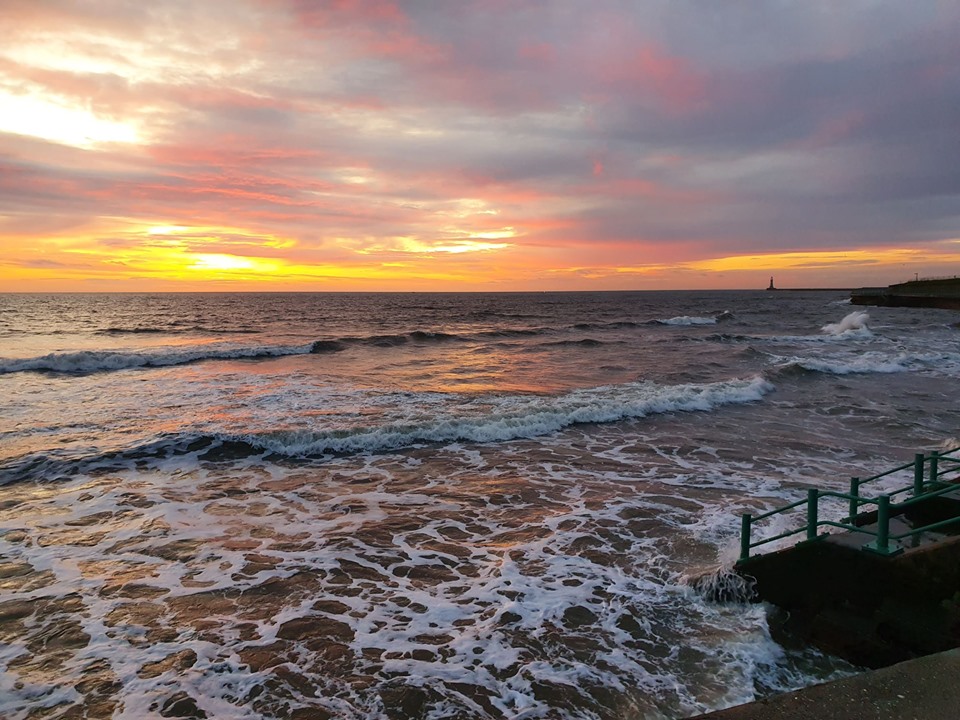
pixel 745 536
pixel 883 524
pixel 854 497
pixel 813 495
pixel 934 457
pixel 918 461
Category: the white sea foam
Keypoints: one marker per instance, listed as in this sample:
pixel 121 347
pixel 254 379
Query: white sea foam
pixel 293 418
pixel 515 417
pixel 944 363
pixel 867 363
pixel 88 361
pixel 689 320
pixel 528 565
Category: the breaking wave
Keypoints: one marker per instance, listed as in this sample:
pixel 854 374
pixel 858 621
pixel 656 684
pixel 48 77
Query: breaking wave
pixel 511 417
pixel 853 324
pixel 849 367
pixel 90 361
pixel 872 362
pixel 616 325
pixel 687 320
pixel 168 330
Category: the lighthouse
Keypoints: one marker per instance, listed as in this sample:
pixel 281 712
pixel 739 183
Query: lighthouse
pixel 771 284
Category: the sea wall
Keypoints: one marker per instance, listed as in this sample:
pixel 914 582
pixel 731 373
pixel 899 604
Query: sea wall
pixel 869 609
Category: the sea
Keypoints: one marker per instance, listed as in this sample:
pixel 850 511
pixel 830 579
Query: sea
pixel 419 505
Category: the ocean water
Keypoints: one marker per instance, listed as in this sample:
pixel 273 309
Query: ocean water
pixel 425 505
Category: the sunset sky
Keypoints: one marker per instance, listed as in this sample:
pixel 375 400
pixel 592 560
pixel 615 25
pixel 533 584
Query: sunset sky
pixel 484 145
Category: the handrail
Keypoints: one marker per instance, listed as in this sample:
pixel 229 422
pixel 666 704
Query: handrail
pixel 926 496
pixel 855 501
pixel 777 511
pixel 777 537
pixel 926 528
pixel 889 472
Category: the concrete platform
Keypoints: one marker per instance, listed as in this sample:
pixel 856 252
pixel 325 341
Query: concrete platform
pixel 926 688
pixel 870 609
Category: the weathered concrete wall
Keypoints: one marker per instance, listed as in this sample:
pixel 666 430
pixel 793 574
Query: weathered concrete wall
pixel 870 609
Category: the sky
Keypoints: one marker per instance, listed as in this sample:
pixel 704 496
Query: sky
pixel 354 145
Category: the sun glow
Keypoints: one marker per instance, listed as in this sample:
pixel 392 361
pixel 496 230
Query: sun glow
pixel 496 234
pixel 468 246
pixel 48 120
pixel 221 262
pixel 167 230
pixel 810 260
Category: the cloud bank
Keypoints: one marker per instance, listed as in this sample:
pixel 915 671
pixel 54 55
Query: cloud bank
pixel 290 144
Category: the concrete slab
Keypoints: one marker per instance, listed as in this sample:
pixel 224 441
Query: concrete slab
pixel 926 688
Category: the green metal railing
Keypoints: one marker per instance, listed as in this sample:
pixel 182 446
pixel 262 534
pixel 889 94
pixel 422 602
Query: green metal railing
pixel 929 474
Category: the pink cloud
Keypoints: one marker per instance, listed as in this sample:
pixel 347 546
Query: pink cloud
pixel 378 28
pixel 670 80
pixel 541 53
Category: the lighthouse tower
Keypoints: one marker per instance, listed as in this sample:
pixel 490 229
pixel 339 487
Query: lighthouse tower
pixel 771 284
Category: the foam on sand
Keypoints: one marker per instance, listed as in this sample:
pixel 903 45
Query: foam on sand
pixel 461 583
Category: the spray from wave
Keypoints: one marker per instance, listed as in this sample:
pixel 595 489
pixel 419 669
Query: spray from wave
pixel 854 324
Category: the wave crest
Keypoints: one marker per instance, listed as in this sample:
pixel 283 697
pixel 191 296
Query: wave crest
pixel 90 361
pixel 687 320
pixel 512 417
pixel 84 362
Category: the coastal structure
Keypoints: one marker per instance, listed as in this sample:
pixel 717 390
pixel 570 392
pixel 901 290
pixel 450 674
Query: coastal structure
pixel 883 593
pixel 884 589
pixel 931 292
